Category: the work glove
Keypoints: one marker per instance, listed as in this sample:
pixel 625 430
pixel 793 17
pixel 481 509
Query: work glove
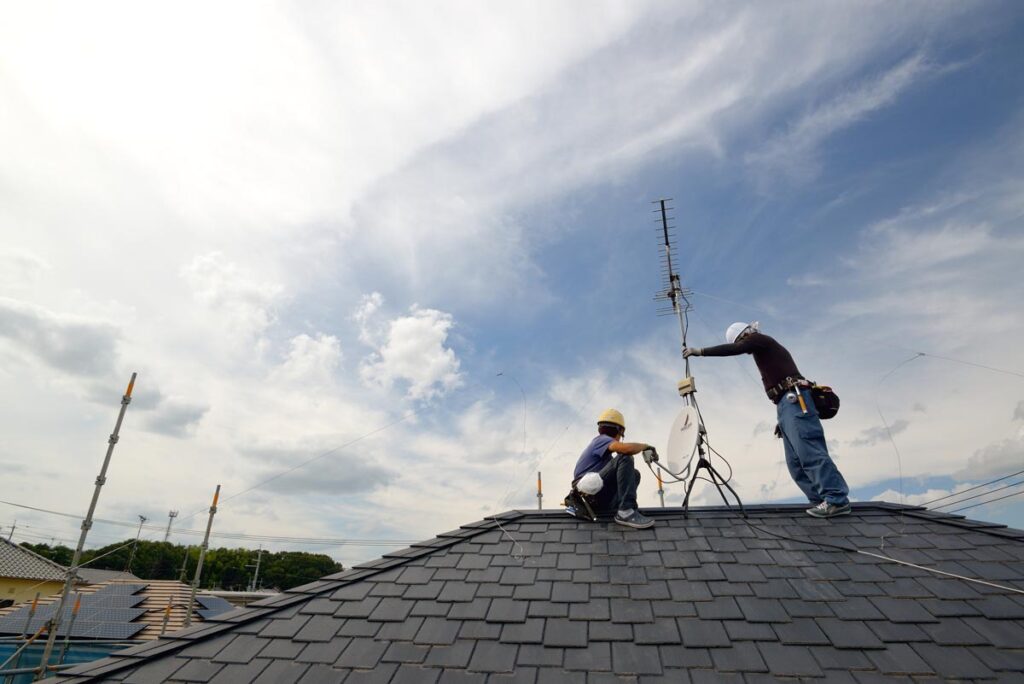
pixel 692 351
pixel 650 455
pixel 778 431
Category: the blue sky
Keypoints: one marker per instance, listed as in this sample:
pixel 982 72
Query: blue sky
pixel 298 232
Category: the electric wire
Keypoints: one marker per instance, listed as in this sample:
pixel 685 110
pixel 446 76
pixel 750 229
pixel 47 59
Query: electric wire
pixel 975 496
pixel 982 503
pixel 327 541
pixel 971 489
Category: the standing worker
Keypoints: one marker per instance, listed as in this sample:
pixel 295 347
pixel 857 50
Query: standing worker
pixel 612 459
pixel 807 457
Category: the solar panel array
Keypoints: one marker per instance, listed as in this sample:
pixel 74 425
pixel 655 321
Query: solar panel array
pixel 212 606
pixel 108 613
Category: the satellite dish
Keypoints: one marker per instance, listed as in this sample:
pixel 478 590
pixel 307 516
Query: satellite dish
pixel 682 440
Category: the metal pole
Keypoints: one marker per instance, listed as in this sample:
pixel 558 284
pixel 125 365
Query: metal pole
pixel 184 564
pixel 661 488
pixel 167 614
pixel 69 580
pixel 171 515
pixel 71 626
pixel 256 575
pixel 540 493
pixel 202 556
pixel 12 529
pixel 131 556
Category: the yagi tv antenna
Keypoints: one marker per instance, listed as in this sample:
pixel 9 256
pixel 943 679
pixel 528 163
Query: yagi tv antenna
pixel 688 439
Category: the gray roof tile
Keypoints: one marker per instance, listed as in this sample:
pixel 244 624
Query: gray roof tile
pixel 708 598
pixel 789 661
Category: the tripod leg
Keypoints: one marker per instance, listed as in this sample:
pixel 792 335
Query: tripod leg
pixel 689 488
pixel 719 482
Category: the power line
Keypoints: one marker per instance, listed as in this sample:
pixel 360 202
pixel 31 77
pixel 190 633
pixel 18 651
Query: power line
pixel 964 491
pixel 991 491
pixel 982 503
pixel 327 541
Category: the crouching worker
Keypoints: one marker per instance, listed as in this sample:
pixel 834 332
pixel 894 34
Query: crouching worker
pixel 606 465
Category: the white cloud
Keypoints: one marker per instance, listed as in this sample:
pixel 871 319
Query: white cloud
pixel 873 435
pixel 370 330
pixel 241 300
pixel 414 352
pixel 311 359
pixel 792 154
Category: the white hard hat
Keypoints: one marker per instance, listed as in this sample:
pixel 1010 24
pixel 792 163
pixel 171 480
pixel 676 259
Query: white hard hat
pixel 737 329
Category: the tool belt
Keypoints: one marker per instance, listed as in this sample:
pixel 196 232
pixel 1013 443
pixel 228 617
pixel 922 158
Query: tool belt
pixel 775 392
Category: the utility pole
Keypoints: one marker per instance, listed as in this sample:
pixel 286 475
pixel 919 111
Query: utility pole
pixel 69 579
pixel 202 556
pixel 254 583
pixel 131 556
pixel 171 516
pixel 184 564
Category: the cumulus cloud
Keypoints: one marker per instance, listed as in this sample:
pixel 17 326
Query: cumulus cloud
pixel 244 301
pixel 71 344
pixel 414 353
pixel 994 460
pixel 311 358
pixel 370 331
pixel 873 435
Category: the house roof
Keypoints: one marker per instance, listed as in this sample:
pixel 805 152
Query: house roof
pixel 95 575
pixel 140 604
pixel 542 597
pixel 17 562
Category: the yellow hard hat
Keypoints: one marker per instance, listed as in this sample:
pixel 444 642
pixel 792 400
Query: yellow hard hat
pixel 612 416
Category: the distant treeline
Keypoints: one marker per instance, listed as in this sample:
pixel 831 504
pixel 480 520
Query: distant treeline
pixel 222 568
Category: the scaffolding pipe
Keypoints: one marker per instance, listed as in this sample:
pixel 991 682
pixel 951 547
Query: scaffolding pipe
pixel 71 626
pixel 72 572
pixel 202 556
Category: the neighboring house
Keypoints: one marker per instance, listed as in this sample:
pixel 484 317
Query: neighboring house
pixel 118 609
pixel 94 576
pixel 24 572
pixel 543 597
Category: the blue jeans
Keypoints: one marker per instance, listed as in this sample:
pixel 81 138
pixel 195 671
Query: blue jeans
pixel 618 493
pixel 807 457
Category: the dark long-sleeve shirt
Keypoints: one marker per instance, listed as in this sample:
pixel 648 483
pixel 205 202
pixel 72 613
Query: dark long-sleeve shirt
pixel 772 359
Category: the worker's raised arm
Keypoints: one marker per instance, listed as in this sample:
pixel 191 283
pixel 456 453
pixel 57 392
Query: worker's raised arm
pixel 627 448
pixel 746 345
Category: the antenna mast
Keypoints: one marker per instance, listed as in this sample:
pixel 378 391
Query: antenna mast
pixel 679 305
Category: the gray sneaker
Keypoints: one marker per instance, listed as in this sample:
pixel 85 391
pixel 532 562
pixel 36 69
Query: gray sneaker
pixel 827 510
pixel 635 519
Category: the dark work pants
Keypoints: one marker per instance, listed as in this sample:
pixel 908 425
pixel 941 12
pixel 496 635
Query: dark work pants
pixel 619 490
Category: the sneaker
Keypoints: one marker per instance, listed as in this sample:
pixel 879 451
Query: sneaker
pixel 827 510
pixel 635 519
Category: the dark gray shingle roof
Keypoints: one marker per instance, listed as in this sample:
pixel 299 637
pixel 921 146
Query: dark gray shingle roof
pixel 705 599
pixel 18 562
